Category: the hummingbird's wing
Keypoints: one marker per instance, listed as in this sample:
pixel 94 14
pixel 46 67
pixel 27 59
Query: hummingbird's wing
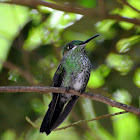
pixel 55 106
pixel 57 111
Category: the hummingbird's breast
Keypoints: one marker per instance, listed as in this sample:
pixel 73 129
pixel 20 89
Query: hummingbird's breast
pixel 77 73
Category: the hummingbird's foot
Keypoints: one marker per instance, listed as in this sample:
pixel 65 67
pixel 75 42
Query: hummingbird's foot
pixel 81 91
pixel 67 89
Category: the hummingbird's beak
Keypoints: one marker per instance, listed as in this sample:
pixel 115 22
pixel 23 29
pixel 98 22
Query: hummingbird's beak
pixel 84 42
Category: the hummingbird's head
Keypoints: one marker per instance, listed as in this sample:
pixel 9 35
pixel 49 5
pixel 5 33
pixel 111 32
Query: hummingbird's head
pixel 71 46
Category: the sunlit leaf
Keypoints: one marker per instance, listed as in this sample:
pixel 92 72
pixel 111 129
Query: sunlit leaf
pixel 63 20
pixel 13 76
pixel 11 21
pixel 125 45
pixel 88 3
pixel 104 27
pixel 34 39
pixel 17 17
pixel 96 79
pixel 128 121
pixel 122 95
pixel 4 50
pixel 9 134
pixel 49 31
pixel 126 25
pixel 127 12
pixel 104 70
pixel 135 3
pixel 121 63
pixel 36 16
pixel 137 77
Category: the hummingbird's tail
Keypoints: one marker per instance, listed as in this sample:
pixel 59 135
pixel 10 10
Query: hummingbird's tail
pixel 56 113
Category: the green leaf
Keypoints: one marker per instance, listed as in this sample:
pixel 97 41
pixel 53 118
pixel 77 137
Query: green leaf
pixel 123 96
pixel 121 63
pixel 96 79
pixel 12 18
pixel 8 135
pixel 105 27
pixel 49 31
pixel 128 12
pixel 125 45
pixel 136 78
pixel 4 50
pixel 126 127
pixel 88 3
pixel 13 76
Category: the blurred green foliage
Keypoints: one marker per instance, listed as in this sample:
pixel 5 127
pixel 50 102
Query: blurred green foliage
pixel 31 41
pixel 122 63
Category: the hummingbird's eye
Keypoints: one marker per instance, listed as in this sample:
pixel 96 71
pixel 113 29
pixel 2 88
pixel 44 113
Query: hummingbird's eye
pixel 70 47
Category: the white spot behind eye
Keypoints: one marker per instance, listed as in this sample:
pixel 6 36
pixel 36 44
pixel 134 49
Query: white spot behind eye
pixel 74 48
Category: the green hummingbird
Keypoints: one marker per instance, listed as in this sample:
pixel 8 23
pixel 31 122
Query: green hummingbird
pixel 73 72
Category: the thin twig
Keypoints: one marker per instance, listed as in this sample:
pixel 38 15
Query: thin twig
pixel 126 3
pixel 86 121
pixel 30 122
pixel 58 90
pixel 78 122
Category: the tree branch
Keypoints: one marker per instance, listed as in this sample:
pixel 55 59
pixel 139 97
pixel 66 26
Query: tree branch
pixel 91 12
pixel 92 96
pixel 66 8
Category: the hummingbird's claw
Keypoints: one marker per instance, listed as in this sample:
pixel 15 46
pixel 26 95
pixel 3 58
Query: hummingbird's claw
pixel 81 91
pixel 67 89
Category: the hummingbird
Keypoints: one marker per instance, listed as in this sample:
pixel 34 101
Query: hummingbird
pixel 73 72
